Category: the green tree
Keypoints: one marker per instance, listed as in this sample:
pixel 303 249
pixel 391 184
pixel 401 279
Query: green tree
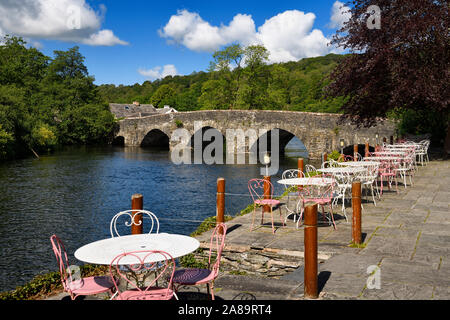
pixel 45 102
pixel 214 95
pixel 257 75
pixel 227 66
pixel 72 99
pixel 6 143
pixel 164 95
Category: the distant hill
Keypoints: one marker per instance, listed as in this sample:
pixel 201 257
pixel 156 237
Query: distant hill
pixel 294 86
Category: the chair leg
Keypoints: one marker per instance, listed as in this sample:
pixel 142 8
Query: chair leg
pixel 210 288
pixel 343 206
pixel 332 216
pixel 381 186
pixel 373 196
pixel 253 217
pixel 301 213
pixel 271 216
pixel 262 214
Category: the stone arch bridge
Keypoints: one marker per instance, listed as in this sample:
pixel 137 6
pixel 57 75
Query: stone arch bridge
pixel 319 132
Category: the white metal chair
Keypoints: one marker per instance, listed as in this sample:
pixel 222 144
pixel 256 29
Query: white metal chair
pixel 129 214
pixel 343 183
pixel 330 163
pixel 368 178
pixel 422 151
pixel 309 169
pixel 406 168
pixel 292 191
pixel 357 157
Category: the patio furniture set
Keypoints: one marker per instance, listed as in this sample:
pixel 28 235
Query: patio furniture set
pixel 332 182
pixel 141 266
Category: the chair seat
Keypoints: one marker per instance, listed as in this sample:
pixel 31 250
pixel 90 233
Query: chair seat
pixel 192 276
pixel 320 201
pixel 387 174
pixel 91 285
pixel 151 294
pixel 267 201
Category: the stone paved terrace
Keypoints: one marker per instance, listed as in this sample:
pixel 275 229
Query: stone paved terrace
pixel 407 235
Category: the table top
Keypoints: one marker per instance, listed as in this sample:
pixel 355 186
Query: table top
pixel 104 251
pixel 391 152
pixel 349 169
pixel 401 146
pixel 405 151
pixel 358 163
pixel 311 181
pixel 383 158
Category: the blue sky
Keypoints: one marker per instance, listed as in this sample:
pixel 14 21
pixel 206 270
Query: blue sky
pixel 144 36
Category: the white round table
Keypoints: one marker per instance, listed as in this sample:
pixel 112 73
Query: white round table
pixel 402 145
pixel 342 169
pixel 383 158
pixel 104 251
pixel 390 153
pixel 312 181
pixel 358 163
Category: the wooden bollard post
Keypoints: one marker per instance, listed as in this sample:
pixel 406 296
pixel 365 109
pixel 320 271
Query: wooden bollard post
pixel 310 238
pixel 220 211
pixel 300 165
pixel 137 203
pixel 391 140
pixel 355 151
pixel 356 216
pixel 366 153
pixel 324 157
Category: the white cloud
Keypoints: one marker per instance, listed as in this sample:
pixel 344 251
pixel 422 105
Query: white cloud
pixel 339 15
pixel 65 20
pixel 159 72
pixel 103 38
pixel 287 36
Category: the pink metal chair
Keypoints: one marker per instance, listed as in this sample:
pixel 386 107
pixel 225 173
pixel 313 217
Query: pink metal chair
pixel 196 276
pixel 387 170
pixel 256 189
pixel 320 194
pixel 145 261
pixel 82 286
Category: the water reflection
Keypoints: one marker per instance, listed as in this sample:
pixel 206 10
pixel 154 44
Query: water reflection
pixel 74 194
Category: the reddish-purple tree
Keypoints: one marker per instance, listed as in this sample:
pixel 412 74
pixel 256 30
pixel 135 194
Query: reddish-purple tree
pixel 398 60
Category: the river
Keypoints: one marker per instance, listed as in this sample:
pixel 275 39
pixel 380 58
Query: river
pixel 75 192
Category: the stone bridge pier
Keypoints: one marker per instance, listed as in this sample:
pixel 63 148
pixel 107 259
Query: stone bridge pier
pixel 319 132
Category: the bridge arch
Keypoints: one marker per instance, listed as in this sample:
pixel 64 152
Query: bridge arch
pixel 156 138
pixel 285 137
pixel 200 134
pixel 119 141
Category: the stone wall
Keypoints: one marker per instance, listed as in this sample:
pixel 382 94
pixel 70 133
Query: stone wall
pixel 264 262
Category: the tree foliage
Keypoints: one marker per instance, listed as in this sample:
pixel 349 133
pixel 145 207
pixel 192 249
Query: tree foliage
pixel 402 66
pixel 239 78
pixel 46 102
